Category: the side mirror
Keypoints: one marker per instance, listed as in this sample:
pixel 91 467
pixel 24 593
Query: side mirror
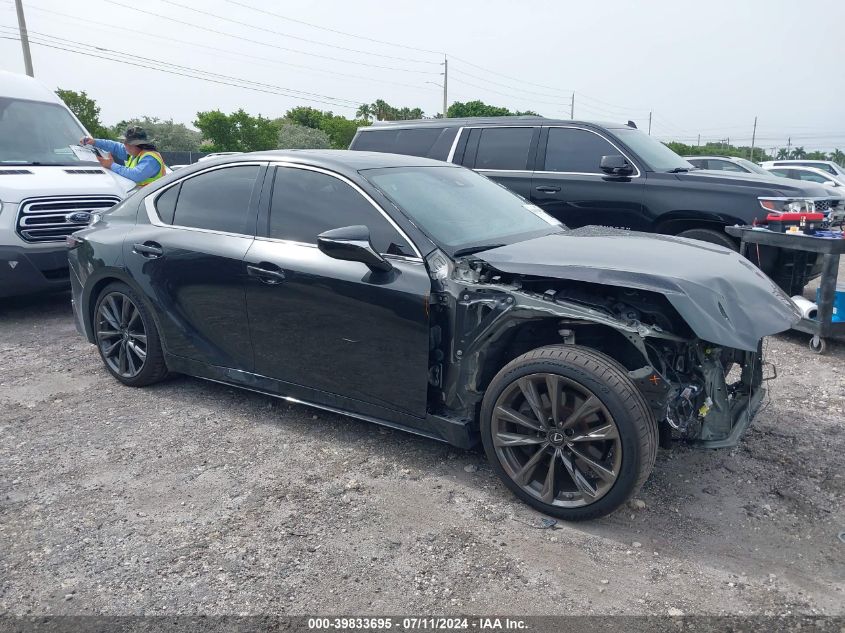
pixel 352 243
pixel 830 183
pixel 616 165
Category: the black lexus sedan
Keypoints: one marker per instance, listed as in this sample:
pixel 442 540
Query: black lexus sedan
pixel 423 296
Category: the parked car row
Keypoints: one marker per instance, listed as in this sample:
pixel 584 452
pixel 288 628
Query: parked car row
pixel 421 295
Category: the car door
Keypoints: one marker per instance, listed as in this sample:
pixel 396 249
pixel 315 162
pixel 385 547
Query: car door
pixel 346 334
pixel 569 185
pixel 503 154
pixel 188 258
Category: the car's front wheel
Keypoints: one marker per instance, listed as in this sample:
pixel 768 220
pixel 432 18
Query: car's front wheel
pixel 568 432
pixel 127 337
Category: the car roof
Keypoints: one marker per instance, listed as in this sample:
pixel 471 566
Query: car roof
pixel 486 121
pixel 334 159
pixel 19 86
pixel 730 158
pixel 796 161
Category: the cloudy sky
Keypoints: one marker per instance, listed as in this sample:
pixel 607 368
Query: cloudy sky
pixel 701 67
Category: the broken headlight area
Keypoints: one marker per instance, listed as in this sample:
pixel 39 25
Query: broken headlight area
pixel 714 392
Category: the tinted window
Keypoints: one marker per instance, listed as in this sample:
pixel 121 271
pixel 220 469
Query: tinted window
pixel 166 204
pixel 808 175
pixel 783 173
pixel 698 162
pixel 574 150
pixel 504 148
pixel 306 203
pixel 726 165
pixel 217 200
pixel 822 166
pixel 412 142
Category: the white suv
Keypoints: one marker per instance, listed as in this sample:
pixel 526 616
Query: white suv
pixel 46 191
pixel 825 165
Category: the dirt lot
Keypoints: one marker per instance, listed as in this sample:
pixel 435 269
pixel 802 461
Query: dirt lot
pixel 191 497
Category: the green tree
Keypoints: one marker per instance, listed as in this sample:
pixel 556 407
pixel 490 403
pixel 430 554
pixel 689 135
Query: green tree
pixel 798 153
pixel 783 154
pixel 167 135
pixel 364 112
pixel 236 132
pixel 717 149
pixel 295 136
pixel 341 130
pixel 459 110
pixel 86 110
pixel 307 116
pixel 838 157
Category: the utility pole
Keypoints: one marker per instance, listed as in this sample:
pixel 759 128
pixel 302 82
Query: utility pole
pixel 788 146
pixel 572 106
pixel 699 141
pixel 445 84
pixel 27 58
pixel 649 123
pixel 753 138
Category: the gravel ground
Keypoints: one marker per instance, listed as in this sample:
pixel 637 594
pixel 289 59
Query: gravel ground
pixel 193 498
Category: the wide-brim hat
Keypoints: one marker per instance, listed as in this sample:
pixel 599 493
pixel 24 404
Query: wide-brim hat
pixel 136 136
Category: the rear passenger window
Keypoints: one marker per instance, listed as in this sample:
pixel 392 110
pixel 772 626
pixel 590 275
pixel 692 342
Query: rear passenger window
pixel 576 151
pixel 166 204
pixel 306 203
pixel 504 148
pixel 217 200
pixel 411 142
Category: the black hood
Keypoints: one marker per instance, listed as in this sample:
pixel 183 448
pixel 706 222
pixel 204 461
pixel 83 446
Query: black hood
pixel 767 185
pixel 723 297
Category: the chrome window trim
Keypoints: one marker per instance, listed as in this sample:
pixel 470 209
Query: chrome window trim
pixel 155 219
pixel 277 240
pixel 589 173
pixel 454 147
pixel 367 197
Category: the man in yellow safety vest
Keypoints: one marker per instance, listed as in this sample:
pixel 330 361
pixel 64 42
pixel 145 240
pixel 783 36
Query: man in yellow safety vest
pixel 142 163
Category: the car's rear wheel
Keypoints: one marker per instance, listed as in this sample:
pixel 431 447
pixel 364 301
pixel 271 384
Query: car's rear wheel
pixel 127 338
pixel 568 432
pixel 712 236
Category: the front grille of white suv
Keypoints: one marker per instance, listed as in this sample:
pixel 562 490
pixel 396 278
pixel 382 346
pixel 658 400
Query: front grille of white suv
pixel 46 219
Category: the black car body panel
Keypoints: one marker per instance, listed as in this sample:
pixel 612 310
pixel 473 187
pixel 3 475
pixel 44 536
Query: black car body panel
pixel 415 347
pixel 723 298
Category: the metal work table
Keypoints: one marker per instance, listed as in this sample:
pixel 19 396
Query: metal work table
pixel 830 250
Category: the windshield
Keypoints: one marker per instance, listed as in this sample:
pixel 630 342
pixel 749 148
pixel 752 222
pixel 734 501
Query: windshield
pixel 34 132
pixel 754 167
pixel 460 209
pixel 656 155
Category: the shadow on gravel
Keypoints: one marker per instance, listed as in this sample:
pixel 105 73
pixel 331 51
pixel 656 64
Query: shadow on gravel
pixel 40 305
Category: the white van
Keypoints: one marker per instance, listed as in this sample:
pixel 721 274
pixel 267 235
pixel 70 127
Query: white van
pixel 46 191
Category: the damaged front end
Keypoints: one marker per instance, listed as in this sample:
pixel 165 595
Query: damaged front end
pixel 482 318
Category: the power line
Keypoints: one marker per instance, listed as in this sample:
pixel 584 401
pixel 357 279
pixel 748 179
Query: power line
pixel 294 37
pixel 189 69
pixel 128 62
pixel 217 50
pixel 330 30
pixel 260 43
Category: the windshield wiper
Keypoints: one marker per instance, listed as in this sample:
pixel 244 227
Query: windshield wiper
pixel 680 170
pixel 469 250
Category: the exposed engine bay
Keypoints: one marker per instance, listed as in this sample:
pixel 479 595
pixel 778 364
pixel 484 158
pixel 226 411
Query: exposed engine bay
pixel 698 390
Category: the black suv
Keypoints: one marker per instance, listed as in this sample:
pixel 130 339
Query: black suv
pixel 608 174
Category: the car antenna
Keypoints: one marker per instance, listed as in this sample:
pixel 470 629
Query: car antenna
pixel 632 124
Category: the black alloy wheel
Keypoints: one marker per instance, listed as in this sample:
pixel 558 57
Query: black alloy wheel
pixel 127 338
pixel 568 432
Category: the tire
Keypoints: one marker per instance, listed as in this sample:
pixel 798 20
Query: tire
pixel 569 477
pixel 127 338
pixel 712 236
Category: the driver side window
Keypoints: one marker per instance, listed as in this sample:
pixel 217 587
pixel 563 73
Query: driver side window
pixel 306 203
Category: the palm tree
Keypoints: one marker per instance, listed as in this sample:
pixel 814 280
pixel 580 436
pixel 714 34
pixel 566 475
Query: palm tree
pixel 381 110
pixel 365 111
pixel 799 153
pixel 783 154
pixel 838 156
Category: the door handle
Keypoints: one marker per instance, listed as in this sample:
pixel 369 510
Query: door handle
pixel 150 250
pixel 547 189
pixel 266 275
